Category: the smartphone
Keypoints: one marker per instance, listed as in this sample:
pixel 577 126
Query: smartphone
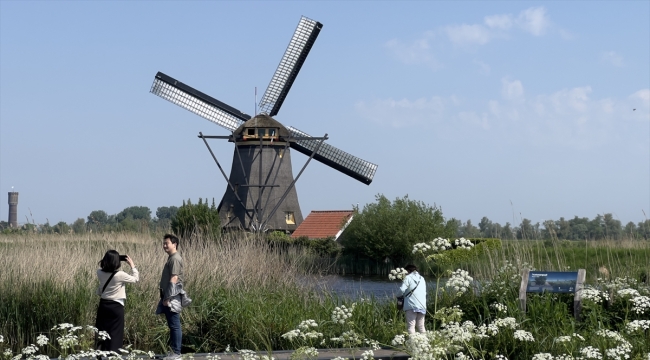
pixel 122 257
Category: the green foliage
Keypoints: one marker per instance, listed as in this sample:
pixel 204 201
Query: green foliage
pixel 327 247
pixel 134 213
pixel 386 229
pixel 79 226
pixel 98 218
pixel 197 219
pixel 61 228
pixel 166 212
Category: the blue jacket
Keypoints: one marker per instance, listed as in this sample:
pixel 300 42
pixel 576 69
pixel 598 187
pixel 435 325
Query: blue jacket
pixel 418 299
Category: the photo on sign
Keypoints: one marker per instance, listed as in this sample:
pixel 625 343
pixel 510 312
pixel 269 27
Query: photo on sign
pixel 551 281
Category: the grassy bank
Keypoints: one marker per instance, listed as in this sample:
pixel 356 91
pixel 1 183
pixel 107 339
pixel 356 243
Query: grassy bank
pixel 247 294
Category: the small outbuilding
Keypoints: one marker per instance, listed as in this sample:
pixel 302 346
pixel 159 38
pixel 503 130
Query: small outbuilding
pixel 321 224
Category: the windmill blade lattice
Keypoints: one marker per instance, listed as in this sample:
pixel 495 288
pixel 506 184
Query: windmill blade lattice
pixel 197 102
pixel 335 158
pixel 292 60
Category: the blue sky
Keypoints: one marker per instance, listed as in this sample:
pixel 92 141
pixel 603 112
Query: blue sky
pixel 506 109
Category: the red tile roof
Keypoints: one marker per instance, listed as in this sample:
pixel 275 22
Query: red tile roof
pixel 323 224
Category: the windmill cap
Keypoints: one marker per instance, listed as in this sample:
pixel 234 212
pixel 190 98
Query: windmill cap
pixel 263 121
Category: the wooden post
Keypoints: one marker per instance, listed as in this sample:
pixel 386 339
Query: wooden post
pixel 577 298
pixel 522 290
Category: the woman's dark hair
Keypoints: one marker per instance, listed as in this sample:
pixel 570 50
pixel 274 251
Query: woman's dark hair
pixel 110 262
pixel 410 268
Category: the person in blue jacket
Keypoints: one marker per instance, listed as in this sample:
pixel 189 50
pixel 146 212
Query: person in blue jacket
pixel 414 290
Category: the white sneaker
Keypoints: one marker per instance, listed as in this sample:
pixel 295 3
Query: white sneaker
pixel 172 356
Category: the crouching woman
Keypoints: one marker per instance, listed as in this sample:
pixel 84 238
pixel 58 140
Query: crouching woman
pixel 414 289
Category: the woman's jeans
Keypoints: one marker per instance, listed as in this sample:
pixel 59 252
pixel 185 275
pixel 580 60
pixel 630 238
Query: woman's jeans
pixel 413 319
pixel 175 333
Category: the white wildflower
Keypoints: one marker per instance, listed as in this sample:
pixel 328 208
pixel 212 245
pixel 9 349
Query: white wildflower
pixel 563 339
pixel 576 335
pixel 29 350
pixel 543 356
pixel 440 244
pixel 509 322
pixel 454 332
pixel 374 344
pixel 637 325
pixel 42 340
pixel 591 352
pixel 306 324
pixel 622 351
pixel 421 248
pixel 397 274
pixel 463 243
pixel 523 335
pixel 398 340
pixel 311 352
pixel 459 282
pixel 227 348
pixel 565 357
pixel 103 335
pixel 340 358
pixel 2 339
pixel 62 326
pixel 499 307
pixel 594 295
pixel 627 293
pixel 341 313
pixel 368 355
pixel 7 353
pixel 641 304
pixel 500 357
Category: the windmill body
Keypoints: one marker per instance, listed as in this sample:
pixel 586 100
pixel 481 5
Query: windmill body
pixel 261 193
pixel 261 173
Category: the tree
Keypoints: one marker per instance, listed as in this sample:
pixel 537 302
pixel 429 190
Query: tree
pixel 98 218
pixel 468 230
pixel 79 226
pixel 526 230
pixel 199 219
pixel 61 228
pixel 386 229
pixel 165 212
pixel 134 213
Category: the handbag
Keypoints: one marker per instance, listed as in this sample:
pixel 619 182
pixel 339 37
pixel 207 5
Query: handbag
pixel 400 299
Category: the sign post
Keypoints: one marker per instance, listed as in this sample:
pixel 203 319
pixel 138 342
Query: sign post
pixel 553 282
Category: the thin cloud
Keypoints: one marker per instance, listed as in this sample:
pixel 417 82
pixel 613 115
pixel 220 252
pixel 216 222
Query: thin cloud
pixel 484 68
pixel 567 117
pixel 502 22
pixel 512 90
pixel 405 112
pixel 534 21
pixel 415 52
pixel 612 58
pixel 468 34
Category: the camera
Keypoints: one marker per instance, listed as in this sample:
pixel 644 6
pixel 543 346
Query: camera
pixel 122 257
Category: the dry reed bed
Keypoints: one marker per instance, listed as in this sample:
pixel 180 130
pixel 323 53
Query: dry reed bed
pixel 233 261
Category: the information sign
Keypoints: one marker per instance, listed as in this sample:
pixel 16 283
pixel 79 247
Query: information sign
pixel 552 282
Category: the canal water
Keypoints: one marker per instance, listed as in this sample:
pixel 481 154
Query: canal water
pixel 361 287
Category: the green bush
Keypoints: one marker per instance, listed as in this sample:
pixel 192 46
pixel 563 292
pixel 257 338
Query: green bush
pixel 197 220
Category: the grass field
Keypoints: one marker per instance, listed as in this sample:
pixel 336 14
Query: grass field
pixel 247 294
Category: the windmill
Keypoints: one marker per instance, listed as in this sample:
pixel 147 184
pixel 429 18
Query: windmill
pixel 261 193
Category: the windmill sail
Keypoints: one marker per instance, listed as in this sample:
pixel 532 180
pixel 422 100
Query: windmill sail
pixel 295 55
pixel 197 102
pixel 335 158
